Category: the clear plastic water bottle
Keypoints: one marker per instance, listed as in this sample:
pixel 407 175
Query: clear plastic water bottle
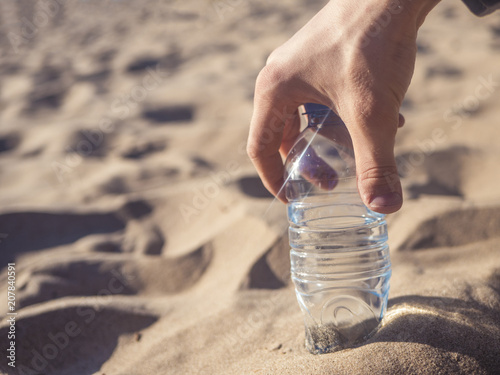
pixel 340 261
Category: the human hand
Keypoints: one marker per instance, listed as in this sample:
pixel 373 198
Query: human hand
pixel 358 59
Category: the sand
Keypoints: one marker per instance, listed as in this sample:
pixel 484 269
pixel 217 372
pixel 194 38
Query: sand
pixel 144 242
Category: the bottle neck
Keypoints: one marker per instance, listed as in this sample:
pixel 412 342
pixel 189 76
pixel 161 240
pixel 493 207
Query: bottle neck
pixel 323 119
pixel 319 115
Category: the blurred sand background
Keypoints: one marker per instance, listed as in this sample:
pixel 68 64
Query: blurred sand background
pixel 143 240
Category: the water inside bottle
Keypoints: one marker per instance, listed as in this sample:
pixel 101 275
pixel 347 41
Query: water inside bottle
pixel 339 255
pixel 341 268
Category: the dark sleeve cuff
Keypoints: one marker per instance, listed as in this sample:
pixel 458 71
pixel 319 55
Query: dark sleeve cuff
pixel 482 7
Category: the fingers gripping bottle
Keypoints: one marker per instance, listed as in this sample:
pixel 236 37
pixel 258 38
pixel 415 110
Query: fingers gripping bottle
pixel 340 261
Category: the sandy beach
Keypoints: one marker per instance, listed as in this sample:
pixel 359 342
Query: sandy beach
pixel 140 237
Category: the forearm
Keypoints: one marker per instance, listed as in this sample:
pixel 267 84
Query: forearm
pixel 414 10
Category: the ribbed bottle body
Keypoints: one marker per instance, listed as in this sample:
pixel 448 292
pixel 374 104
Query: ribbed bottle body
pixel 340 261
pixel 341 274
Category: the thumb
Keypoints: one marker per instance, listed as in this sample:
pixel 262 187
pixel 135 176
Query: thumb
pixel 377 174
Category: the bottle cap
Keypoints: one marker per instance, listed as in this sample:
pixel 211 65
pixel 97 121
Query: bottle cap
pixel 319 113
pixel 313 107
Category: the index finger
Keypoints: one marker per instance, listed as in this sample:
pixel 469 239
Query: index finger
pixel 273 130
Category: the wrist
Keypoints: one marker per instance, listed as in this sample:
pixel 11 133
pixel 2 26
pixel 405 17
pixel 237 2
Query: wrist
pixel 419 9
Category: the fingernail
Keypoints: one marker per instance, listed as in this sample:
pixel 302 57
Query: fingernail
pixel 317 171
pixel 386 200
pixel 329 183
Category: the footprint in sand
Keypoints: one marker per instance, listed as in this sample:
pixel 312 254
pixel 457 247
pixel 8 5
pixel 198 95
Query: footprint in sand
pixel 94 274
pixel 202 163
pixel 443 169
pixel 455 228
pixel 449 13
pixel 99 79
pixel 79 277
pixel 136 209
pixel 495 33
pixel 91 37
pixel 31 230
pixel 494 281
pixel 116 185
pixel 443 70
pixel 50 86
pixel 89 143
pixel 105 56
pixel 200 166
pixel 141 64
pixel 170 115
pixel 167 64
pixel 424 47
pixel 141 149
pixel 253 187
pixel 76 338
pixel 112 247
pixel 271 270
pixel 7 69
pixel 143 238
pixel 9 142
